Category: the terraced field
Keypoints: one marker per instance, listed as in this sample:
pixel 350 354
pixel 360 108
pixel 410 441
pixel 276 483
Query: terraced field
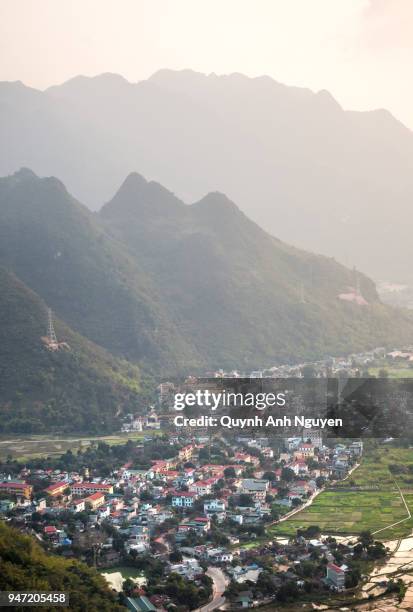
pixel 25 448
pixel 370 499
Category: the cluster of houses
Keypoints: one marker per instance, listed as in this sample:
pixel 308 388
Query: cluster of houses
pixel 139 422
pixel 196 496
pixel 330 366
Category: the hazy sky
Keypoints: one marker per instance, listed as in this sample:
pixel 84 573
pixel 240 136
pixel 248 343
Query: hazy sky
pixel 360 50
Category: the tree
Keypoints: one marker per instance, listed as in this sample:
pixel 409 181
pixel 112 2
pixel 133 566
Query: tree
pixel 146 496
pixel 366 539
pixel 398 587
pixel 229 472
pixel 287 591
pixel 352 577
pixel 312 531
pixel 25 566
pixel 307 568
pixel 282 492
pixel 248 472
pixel 376 551
pixel 175 556
pixel 245 500
pixel 265 583
pixel 287 474
pixel 203 454
pixel 128 587
pixel 320 481
pixel 312 463
pixel 275 512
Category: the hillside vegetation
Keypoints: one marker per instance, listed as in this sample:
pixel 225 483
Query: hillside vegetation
pixel 58 249
pixel 240 296
pixel 79 388
pixel 26 567
pixel 153 287
pixel 178 288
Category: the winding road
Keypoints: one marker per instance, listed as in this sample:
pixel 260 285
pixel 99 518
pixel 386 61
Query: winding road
pixel 219 586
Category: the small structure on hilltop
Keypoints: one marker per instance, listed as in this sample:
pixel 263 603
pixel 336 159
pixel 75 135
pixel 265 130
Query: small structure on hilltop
pixel 353 294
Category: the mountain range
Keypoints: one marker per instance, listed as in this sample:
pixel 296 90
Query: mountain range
pixel 317 176
pixel 170 287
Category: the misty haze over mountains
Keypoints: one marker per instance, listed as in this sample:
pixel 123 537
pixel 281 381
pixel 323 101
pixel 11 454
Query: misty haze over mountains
pixel 331 181
pixel 178 288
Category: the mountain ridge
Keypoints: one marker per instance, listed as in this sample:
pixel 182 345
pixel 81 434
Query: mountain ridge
pixel 303 168
pixel 57 247
pixel 212 251
pixel 183 288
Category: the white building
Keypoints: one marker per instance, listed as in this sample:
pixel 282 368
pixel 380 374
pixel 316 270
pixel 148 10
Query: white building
pixel 214 505
pixel 218 555
pixel 184 500
pixel 336 576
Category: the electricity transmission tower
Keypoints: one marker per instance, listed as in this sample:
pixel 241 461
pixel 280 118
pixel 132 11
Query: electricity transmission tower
pixel 51 334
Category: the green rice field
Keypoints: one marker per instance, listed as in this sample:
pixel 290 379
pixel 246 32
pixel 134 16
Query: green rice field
pixel 369 499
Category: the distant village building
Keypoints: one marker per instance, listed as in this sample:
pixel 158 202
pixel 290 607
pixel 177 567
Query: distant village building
pixel 335 576
pixel 203 487
pixel 215 508
pixel 186 452
pixel 152 420
pixel 246 458
pixel 78 505
pixel 254 487
pixel 95 500
pixel 87 488
pixel 292 443
pixel 215 505
pixel 139 604
pixel 356 448
pixel 256 374
pixel 19 489
pixel 184 499
pixel 305 450
pixel 313 436
pixel 165 390
pixel 133 424
pixel 57 488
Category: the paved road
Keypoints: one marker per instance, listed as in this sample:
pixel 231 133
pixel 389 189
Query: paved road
pixel 220 583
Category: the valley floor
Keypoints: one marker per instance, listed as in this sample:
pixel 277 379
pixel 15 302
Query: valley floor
pixel 371 499
pixel 30 447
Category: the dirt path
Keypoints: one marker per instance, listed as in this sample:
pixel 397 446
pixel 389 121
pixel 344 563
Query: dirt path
pixel 409 515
